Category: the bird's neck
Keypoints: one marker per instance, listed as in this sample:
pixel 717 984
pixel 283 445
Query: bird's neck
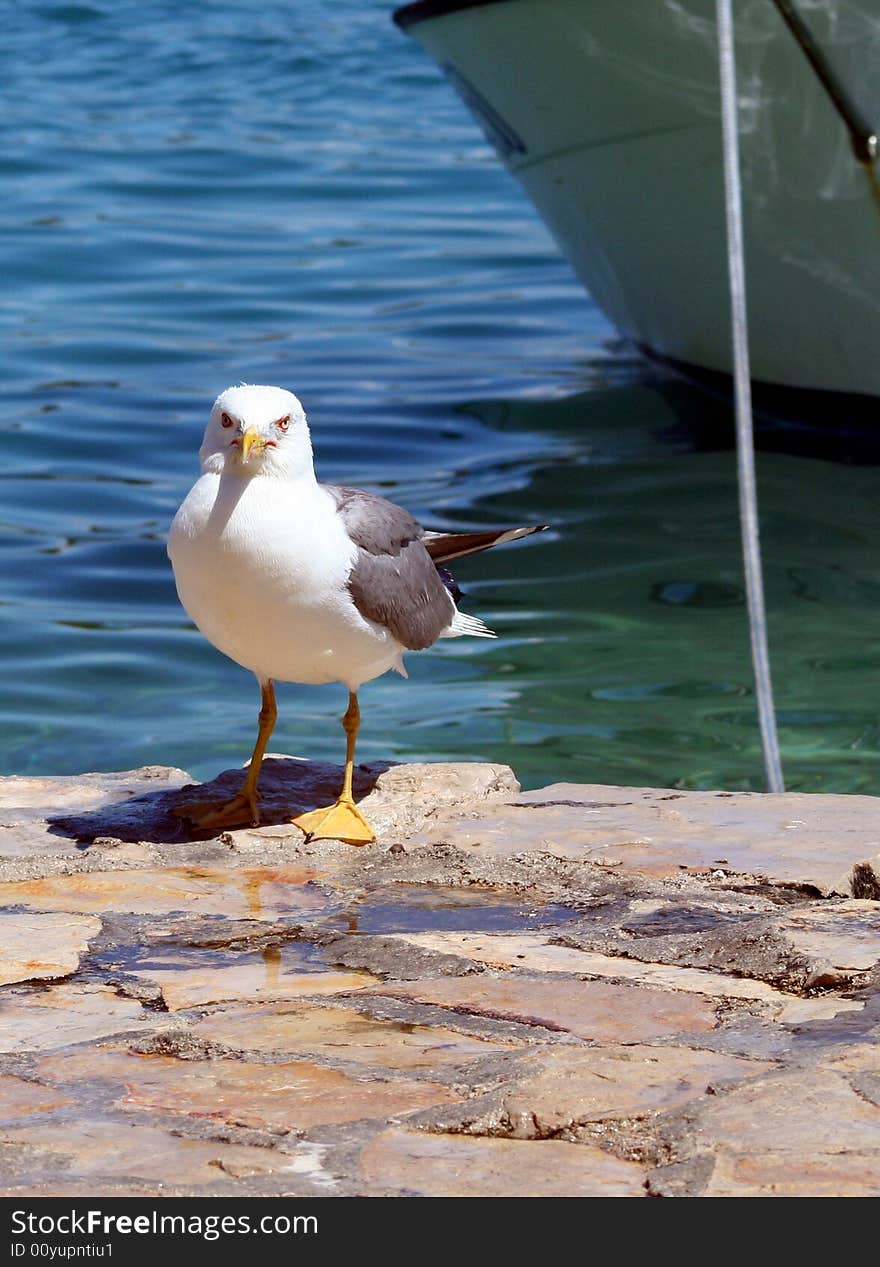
pixel 301 474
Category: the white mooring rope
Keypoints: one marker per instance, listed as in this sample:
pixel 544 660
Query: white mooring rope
pixel 745 447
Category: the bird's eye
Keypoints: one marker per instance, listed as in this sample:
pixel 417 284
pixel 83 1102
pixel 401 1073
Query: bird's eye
pixel 283 423
pixel 225 420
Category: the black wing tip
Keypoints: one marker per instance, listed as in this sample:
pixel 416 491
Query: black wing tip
pixel 443 547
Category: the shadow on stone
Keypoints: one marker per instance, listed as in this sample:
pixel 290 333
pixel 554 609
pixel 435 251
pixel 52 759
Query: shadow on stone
pixel 288 786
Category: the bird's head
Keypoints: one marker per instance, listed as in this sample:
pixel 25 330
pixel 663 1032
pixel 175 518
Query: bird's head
pixel 257 431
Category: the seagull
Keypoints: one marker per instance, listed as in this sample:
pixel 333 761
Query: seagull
pixel 306 582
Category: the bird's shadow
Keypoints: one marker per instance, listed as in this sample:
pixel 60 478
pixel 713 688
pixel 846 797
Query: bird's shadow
pixel 288 786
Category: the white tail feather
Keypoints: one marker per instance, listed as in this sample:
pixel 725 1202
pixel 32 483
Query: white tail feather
pixel 463 624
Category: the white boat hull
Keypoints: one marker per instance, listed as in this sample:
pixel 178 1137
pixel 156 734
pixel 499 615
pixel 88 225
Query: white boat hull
pixel 608 114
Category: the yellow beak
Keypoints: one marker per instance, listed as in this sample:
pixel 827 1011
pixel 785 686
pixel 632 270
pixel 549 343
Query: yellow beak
pixel 251 439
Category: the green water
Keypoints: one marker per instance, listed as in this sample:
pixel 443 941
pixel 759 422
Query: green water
pixel 344 231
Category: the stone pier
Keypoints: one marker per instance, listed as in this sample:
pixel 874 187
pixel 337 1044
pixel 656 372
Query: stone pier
pixel 581 990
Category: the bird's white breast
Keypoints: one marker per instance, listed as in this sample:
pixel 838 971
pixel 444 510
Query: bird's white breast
pixel 261 567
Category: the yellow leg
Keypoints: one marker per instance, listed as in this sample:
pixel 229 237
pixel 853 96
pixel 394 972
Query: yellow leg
pixel 243 810
pixel 342 821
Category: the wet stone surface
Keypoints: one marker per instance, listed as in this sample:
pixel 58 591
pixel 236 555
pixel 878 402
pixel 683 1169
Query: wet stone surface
pixel 577 991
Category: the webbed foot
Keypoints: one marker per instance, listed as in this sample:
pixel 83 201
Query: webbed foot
pixel 241 811
pixel 342 821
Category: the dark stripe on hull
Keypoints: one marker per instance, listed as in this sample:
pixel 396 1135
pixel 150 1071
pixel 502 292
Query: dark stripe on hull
pixel 410 14
pixel 810 422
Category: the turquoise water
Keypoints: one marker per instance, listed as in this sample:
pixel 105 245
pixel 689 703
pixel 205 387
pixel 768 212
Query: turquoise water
pixel 198 194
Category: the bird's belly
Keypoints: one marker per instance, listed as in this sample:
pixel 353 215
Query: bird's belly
pixel 273 597
pixel 290 642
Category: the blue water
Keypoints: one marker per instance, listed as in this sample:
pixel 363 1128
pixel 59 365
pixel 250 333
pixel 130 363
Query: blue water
pixel 291 193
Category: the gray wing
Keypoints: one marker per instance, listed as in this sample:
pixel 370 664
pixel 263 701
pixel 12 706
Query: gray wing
pixel 394 580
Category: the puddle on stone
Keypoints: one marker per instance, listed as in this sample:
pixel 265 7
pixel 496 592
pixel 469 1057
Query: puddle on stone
pixel 196 976
pixel 681 920
pixel 142 958
pixel 423 908
pixel 266 893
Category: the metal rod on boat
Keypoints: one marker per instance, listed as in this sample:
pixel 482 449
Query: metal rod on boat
pixel 861 132
pixel 745 447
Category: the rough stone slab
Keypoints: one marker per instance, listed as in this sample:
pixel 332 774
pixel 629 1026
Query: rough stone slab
pixel 20 1097
pixel 532 951
pixel 851 1174
pixel 792 837
pixel 300 1002
pixel 248 892
pixel 559 1090
pixel 343 1034
pixel 398 957
pixel 795 838
pixel 397 799
pixel 797 1132
pixel 407 1163
pixel 39 1186
pixel 116 1155
pixel 70 1013
pixel 803 948
pixel 595 1010
pixel 29 806
pixel 278 1098
pixel 260 980
pixel 41 796
pixel 840 940
pixel 405 796
pixel 802 1113
pixel 108 821
pixel 43 947
pixel 853 1058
